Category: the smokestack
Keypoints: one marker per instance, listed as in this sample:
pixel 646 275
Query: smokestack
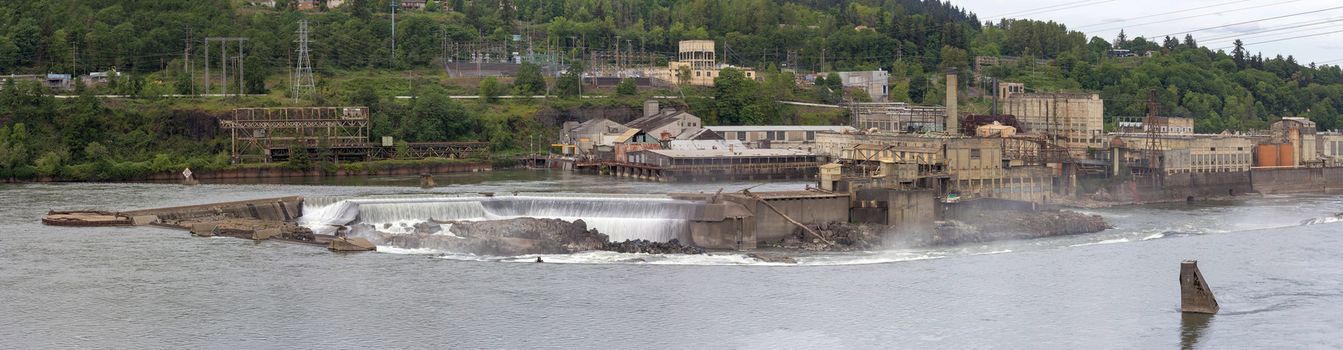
pixel 953 122
pixel 650 107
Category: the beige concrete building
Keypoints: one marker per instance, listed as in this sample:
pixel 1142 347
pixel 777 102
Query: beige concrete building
pixel 1006 89
pixel 875 83
pixel 1330 147
pixel 1071 120
pixel 1202 153
pixel 697 64
pixel 969 165
pixel 1300 133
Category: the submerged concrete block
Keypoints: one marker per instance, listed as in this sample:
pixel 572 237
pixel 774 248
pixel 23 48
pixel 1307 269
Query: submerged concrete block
pixel 204 229
pixel 142 220
pixel 261 235
pixel 346 244
pixel 1195 295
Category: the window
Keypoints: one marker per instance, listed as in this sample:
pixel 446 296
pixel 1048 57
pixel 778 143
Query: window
pixel 974 153
pixel 811 135
pixel 741 135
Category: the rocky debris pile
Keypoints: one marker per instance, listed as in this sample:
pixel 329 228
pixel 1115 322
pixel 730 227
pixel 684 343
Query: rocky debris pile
pixel 838 237
pixel 771 258
pixel 254 229
pixel 649 247
pixel 508 237
pixel 997 225
pixel 1063 222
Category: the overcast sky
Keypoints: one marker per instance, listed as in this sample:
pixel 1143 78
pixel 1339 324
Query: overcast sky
pixel 1223 18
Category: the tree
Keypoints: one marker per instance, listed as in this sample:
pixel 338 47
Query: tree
pixel 733 92
pixel 436 118
pixel 627 87
pixel 366 97
pixel 682 75
pixel 1238 53
pixel 490 89
pixel 299 159
pixel 530 82
pixel 918 88
pixel 570 84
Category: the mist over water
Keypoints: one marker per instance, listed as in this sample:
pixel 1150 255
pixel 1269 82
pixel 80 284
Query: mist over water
pixel 1279 282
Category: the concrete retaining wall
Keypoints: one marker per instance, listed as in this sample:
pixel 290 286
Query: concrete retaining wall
pixel 1333 180
pixel 770 227
pixel 903 210
pixel 1271 181
pixel 277 209
pixel 1199 185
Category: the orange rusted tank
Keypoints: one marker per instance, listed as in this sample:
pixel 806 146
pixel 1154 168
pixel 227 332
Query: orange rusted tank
pixel 1266 155
pixel 1286 155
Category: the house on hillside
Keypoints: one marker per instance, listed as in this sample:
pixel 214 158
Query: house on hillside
pixel 413 4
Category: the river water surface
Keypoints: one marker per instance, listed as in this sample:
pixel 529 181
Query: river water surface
pixel 1280 283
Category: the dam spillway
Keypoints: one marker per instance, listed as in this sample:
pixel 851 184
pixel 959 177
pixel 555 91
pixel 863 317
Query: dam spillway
pixel 653 218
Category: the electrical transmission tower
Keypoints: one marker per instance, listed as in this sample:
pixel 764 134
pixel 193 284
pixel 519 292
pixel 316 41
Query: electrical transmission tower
pixel 303 84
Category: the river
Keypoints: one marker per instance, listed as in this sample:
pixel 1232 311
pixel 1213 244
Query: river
pixel 1280 283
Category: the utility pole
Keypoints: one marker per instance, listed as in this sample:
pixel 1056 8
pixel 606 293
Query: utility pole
pixel 394 4
pixel 207 66
pixel 302 81
pixel 224 62
pixel 242 71
pixel 186 62
pixel 223 65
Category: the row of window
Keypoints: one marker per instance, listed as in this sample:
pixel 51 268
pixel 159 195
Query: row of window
pixel 770 135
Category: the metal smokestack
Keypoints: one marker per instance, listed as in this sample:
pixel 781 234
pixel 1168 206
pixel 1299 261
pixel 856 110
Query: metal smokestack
pixel 953 122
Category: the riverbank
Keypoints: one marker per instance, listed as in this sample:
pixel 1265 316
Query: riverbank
pixel 137 172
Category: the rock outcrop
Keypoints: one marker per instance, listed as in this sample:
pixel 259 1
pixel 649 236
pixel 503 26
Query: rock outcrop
pixel 771 258
pixel 648 247
pixel 509 237
pixel 843 237
pixel 997 225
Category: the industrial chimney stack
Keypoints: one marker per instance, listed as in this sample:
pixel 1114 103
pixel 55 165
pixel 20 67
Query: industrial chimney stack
pixel 953 121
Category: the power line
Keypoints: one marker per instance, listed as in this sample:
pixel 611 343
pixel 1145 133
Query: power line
pixel 1288 38
pixel 1168 20
pixel 1257 32
pixel 1163 14
pixel 1044 8
pixel 1253 21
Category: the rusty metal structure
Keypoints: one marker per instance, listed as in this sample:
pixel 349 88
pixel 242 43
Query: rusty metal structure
pixel 257 133
pixel 268 134
pixel 897 117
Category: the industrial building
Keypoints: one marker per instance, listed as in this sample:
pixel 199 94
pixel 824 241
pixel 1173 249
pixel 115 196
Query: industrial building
pixel 697 64
pixel 1071 120
pixel 898 117
pixel 718 164
pixel 976 166
pixel 777 136
pixel 1183 153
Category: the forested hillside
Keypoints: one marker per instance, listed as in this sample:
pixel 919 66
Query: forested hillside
pixel 352 56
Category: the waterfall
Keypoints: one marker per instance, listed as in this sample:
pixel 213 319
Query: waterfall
pixel 619 217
